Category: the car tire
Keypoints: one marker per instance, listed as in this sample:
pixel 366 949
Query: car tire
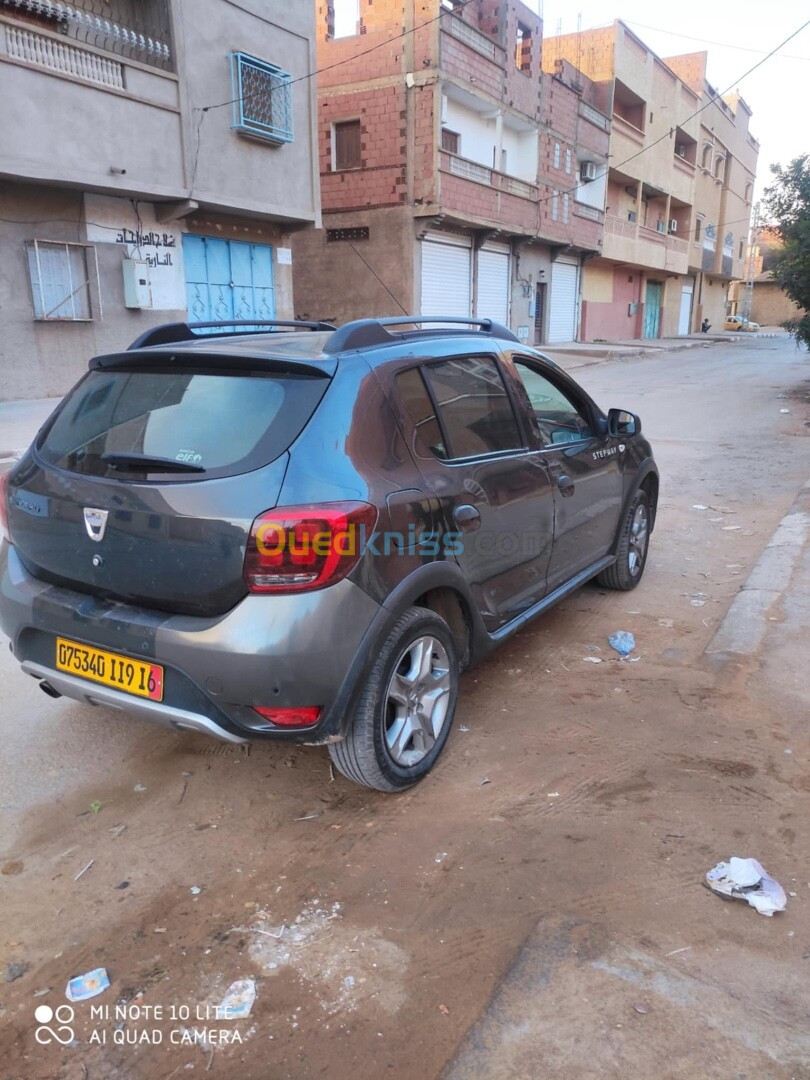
pixel 405 710
pixel 631 551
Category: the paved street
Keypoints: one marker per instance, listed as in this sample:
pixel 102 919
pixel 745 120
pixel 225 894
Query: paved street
pixel 535 907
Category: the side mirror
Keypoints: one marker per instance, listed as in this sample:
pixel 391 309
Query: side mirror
pixel 621 423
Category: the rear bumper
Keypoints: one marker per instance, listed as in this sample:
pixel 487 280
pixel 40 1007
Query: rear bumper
pixel 155 711
pixel 280 651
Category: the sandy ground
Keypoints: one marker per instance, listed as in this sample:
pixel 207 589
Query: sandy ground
pixel 533 909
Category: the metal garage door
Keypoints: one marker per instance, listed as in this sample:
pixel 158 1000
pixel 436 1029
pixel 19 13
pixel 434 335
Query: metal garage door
pixel 493 284
pixel 562 317
pixel 228 279
pixel 446 278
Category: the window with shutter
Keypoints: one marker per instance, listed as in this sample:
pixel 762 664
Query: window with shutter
pixel 347 145
pixel 60 282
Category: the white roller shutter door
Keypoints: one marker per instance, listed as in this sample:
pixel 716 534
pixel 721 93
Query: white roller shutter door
pixel 493 285
pixel 562 319
pixel 446 278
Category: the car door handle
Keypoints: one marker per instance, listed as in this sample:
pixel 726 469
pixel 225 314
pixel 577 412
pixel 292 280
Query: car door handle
pixel 467 517
pixel 566 485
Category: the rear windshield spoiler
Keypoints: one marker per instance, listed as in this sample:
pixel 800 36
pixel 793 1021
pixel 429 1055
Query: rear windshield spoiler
pixel 153 358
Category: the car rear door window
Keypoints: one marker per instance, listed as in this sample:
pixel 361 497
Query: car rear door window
pixel 558 418
pixel 415 398
pixel 474 409
pixel 220 423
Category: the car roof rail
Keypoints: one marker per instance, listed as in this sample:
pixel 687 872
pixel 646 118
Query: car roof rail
pixel 169 333
pixel 363 333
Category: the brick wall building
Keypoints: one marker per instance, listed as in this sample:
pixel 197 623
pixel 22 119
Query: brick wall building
pixel 456 176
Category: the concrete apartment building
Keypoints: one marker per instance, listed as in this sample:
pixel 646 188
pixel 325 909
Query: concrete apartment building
pixel 679 188
pixel 457 177
pixel 122 203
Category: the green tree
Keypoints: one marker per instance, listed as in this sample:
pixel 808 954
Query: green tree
pixel 788 202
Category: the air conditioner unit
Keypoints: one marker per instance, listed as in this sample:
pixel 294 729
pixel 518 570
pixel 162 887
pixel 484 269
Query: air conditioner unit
pixel 680 150
pixel 673 224
pixel 587 170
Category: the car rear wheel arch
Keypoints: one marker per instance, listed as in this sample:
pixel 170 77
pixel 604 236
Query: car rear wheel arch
pixel 650 485
pixel 452 607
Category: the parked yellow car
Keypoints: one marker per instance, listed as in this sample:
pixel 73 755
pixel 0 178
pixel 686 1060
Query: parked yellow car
pixel 737 322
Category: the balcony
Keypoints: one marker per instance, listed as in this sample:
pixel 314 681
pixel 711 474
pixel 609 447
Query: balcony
pixel 474 193
pixel 626 241
pixel 477 41
pixel 469 56
pixel 593 116
pixel 590 213
pixel 96 94
pixel 124 28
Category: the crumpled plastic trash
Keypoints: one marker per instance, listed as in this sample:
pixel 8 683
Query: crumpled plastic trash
pixel 746 879
pixel 88 986
pixel 238 1000
pixel 623 642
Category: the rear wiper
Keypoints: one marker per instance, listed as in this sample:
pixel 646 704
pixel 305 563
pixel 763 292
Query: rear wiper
pixel 149 464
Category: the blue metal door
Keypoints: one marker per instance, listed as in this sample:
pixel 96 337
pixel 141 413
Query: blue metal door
pixel 228 279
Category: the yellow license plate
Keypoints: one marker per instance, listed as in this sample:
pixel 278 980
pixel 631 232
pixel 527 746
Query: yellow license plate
pixel 111 669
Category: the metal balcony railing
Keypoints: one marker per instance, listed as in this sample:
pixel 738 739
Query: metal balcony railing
pixel 131 29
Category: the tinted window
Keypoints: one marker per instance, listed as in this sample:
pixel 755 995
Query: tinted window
pixel 420 409
pixel 474 407
pixel 222 423
pixel 557 417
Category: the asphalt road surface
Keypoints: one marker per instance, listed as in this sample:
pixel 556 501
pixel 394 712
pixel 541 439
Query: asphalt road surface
pixel 535 908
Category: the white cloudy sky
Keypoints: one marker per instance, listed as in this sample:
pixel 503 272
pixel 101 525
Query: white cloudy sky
pixel 736 36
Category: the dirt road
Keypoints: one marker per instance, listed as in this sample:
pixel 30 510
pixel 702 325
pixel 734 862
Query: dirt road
pixel 533 909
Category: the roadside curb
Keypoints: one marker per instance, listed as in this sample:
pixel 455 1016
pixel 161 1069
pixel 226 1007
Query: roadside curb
pixel 745 624
pixel 569 358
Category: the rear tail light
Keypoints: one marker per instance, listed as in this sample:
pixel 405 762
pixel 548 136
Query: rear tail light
pixel 4 529
pixel 306 717
pixel 301 548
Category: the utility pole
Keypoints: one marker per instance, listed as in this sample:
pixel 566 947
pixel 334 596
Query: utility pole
pixel 750 265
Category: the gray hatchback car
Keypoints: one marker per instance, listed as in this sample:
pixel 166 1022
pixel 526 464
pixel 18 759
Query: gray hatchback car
pixel 296 532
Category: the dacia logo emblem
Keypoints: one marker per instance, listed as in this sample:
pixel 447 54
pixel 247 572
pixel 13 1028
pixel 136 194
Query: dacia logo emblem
pixel 95 521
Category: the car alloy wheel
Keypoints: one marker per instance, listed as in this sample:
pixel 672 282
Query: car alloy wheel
pixel 639 538
pixel 417 700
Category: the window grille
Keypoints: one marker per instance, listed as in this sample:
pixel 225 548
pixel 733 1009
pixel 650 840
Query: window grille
pixel 60 280
pixel 262 96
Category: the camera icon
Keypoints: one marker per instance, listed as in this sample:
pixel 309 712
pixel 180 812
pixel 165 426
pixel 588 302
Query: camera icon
pixel 61 1018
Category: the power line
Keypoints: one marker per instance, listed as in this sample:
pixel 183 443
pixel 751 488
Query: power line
pixel 203 109
pixel 705 41
pixel 460 5
pixel 697 112
pixel 405 33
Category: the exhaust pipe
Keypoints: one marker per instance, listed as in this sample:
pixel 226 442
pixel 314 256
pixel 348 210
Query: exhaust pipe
pixel 46 688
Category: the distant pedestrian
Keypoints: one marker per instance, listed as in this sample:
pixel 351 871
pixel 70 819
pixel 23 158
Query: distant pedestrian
pixel 705 326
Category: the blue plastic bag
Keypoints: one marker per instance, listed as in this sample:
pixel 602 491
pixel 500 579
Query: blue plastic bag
pixel 623 642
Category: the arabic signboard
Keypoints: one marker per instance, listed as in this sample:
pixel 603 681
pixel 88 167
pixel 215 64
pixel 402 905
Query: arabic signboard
pixel 133 227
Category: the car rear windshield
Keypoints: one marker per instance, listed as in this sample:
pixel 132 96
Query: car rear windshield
pixel 218 423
